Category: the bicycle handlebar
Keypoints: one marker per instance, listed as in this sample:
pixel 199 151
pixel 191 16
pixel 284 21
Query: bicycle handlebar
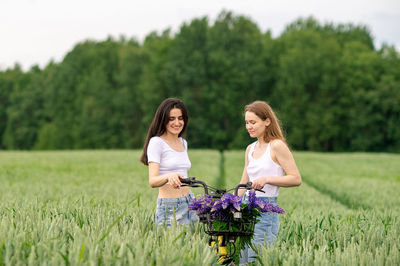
pixel 247 186
pixel 192 181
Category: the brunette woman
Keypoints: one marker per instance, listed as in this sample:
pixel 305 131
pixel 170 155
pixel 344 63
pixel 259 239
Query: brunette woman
pixel 165 153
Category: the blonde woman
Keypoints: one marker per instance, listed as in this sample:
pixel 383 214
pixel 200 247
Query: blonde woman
pixel 269 165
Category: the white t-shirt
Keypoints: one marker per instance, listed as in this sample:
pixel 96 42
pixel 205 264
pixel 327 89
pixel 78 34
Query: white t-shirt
pixel 170 161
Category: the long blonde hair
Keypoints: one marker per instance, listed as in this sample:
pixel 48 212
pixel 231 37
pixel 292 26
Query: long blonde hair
pixel 264 112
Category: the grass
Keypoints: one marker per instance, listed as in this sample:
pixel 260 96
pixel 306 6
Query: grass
pixel 345 212
pixel 96 208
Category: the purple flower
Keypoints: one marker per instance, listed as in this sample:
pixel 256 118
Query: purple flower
pixel 228 202
pixel 217 206
pixel 201 205
pixel 277 209
pixel 224 208
pixel 233 201
pixel 236 202
pixel 252 200
pixel 195 204
pixel 262 205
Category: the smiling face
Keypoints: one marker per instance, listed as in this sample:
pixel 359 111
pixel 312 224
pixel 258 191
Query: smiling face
pixel 255 125
pixel 175 123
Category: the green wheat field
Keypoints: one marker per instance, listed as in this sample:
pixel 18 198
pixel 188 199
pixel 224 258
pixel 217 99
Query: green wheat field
pixel 96 208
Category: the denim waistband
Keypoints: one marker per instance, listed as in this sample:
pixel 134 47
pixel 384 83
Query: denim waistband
pixel 183 199
pixel 267 199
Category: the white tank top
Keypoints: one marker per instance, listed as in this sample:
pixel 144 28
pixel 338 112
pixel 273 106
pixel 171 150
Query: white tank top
pixel 264 166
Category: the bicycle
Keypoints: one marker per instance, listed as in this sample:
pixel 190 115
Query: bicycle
pixel 223 236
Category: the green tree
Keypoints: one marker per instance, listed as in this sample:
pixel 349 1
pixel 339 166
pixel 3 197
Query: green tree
pixel 7 83
pixel 25 110
pixel 235 70
pixel 330 87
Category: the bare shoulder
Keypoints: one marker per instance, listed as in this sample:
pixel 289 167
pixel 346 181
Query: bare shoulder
pixel 277 143
pixel 279 146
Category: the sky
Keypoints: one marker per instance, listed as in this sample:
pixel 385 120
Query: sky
pixel 33 32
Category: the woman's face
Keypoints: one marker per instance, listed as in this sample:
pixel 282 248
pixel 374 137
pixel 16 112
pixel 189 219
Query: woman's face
pixel 255 125
pixel 176 122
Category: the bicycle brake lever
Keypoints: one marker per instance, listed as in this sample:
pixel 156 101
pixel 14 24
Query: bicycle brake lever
pixel 249 186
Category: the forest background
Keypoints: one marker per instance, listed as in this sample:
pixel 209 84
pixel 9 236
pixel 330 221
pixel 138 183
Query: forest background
pixel 332 89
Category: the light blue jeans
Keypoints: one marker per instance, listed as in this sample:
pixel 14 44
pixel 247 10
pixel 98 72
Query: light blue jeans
pixel 266 229
pixel 175 210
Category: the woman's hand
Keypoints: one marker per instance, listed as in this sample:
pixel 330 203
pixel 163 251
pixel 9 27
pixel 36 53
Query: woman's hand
pixel 260 182
pixel 173 180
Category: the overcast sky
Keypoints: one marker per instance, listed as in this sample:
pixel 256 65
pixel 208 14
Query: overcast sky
pixel 36 31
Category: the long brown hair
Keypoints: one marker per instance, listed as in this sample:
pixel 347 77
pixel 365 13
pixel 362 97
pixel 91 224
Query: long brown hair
pixel 264 112
pixel 160 121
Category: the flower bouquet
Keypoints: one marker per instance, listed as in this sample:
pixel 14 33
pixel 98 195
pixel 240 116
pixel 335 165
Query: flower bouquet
pixel 231 217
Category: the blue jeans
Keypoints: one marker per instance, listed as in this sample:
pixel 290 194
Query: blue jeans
pixel 266 229
pixel 175 210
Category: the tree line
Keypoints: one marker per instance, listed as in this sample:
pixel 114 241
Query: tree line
pixel 331 88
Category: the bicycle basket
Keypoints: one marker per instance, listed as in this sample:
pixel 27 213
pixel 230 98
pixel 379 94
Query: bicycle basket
pixel 230 227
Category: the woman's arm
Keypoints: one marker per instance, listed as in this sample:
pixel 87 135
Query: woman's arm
pixel 283 156
pixel 156 180
pixel 245 176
